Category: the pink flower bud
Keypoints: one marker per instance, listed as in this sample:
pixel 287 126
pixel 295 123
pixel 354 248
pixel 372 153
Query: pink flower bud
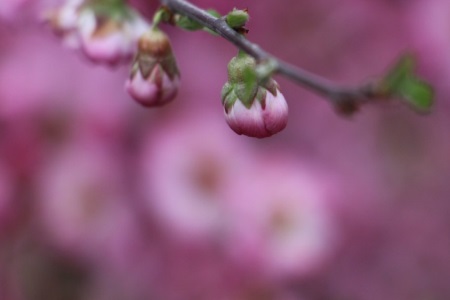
pixel 158 89
pixel 154 78
pixel 109 40
pixel 264 117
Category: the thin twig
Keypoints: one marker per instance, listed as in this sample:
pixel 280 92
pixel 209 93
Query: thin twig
pixel 347 99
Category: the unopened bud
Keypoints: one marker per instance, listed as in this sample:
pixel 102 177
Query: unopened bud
pixel 237 18
pixel 250 107
pixel 108 39
pixel 154 77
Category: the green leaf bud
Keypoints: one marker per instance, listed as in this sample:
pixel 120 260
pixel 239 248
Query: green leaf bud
pixel 237 18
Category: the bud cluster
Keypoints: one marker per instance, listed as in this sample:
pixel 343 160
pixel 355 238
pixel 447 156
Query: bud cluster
pixel 109 31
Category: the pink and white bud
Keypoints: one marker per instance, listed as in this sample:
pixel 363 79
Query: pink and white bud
pixel 154 77
pixel 158 89
pixel 109 40
pixel 263 119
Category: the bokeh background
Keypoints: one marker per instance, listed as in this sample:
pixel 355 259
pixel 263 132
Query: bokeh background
pixel 101 198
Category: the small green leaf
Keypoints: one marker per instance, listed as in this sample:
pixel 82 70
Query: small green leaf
pixel 401 81
pixel 417 93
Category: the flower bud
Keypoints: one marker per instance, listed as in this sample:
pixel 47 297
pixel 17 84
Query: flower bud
pixel 237 18
pixel 265 117
pixel 252 108
pixel 154 77
pixel 110 39
pixel 106 33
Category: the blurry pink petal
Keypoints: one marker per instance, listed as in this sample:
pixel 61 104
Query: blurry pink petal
pixel 283 227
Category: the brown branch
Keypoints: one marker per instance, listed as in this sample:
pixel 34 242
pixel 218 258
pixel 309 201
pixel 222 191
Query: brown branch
pixel 347 100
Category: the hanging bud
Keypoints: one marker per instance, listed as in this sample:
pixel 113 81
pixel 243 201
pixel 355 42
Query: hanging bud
pixel 154 77
pixel 106 31
pixel 110 36
pixel 252 108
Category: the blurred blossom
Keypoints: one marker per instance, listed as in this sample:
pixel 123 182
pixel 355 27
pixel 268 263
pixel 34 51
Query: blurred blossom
pixel 189 171
pixel 80 199
pixel 285 226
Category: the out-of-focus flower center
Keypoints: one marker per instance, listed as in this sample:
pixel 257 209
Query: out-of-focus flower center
pixel 282 221
pixel 207 175
pixel 92 199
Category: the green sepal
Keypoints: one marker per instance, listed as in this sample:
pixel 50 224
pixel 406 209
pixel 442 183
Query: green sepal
pixel 169 65
pixel 402 82
pixel 238 66
pixel 229 96
pixel 272 86
pixel 261 97
pixel 248 88
pixel 226 89
pixel 237 18
pixel 146 64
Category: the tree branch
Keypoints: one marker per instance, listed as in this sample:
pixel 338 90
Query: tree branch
pixel 346 99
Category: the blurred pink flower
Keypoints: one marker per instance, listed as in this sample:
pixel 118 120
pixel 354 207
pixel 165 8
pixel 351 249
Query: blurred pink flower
pixel 80 204
pixel 189 170
pixel 282 224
